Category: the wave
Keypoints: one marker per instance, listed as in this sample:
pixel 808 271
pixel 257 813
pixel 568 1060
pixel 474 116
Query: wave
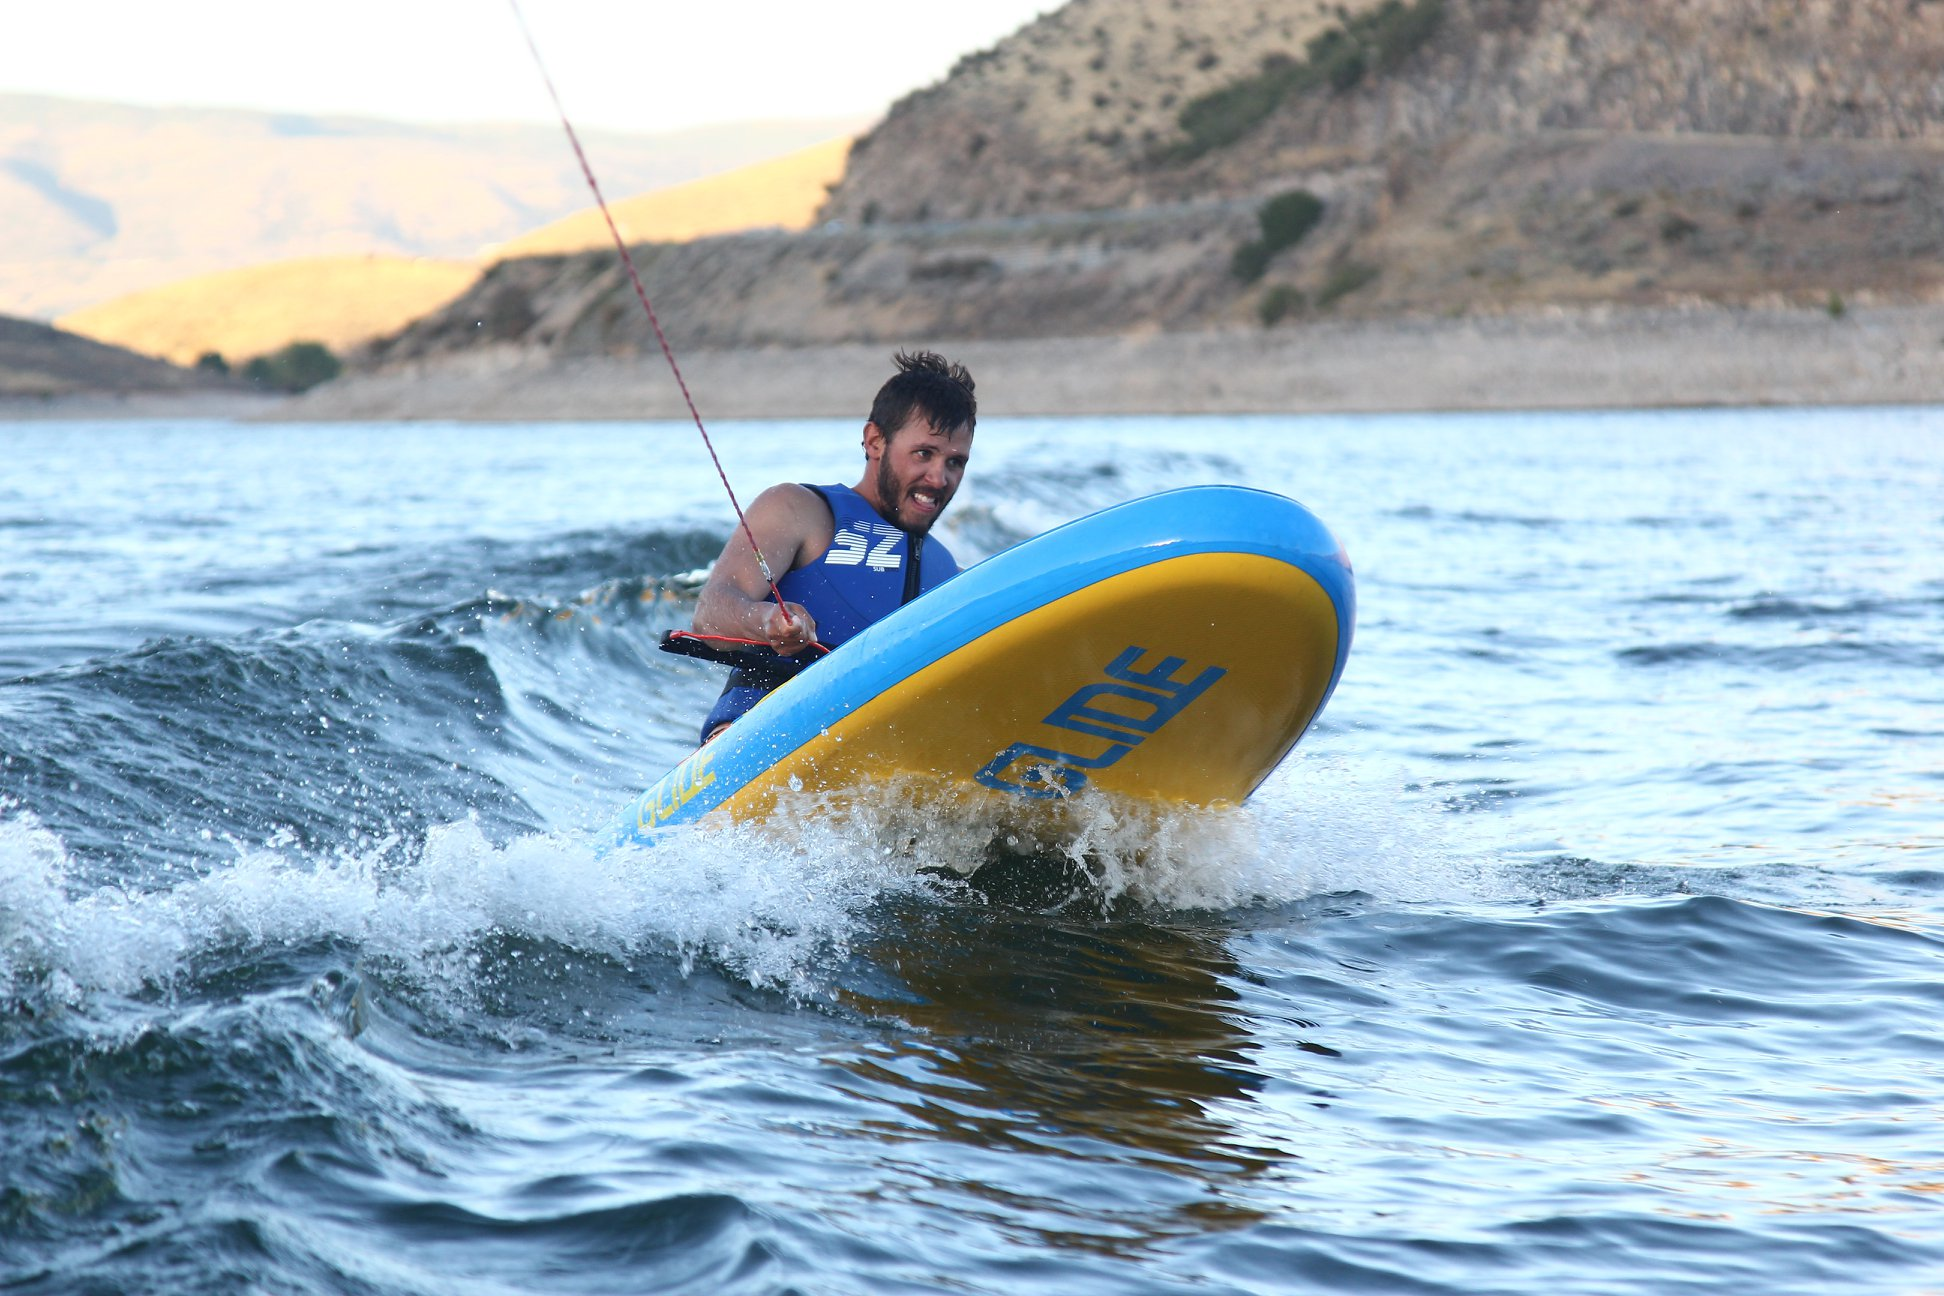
pixel 326 736
pixel 1813 611
pixel 775 905
pixel 1480 517
pixel 337 730
pixel 1786 657
pixel 391 581
pixel 424 912
pixel 1704 958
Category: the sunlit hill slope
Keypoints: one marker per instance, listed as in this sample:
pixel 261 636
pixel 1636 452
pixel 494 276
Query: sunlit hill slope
pixel 783 193
pixel 98 200
pixel 346 301
pixel 339 301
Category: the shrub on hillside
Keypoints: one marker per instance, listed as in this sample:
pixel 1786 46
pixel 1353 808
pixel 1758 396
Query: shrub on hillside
pixel 1397 30
pixel 1223 116
pixel 1249 261
pixel 1287 217
pixel 1338 57
pixel 1344 280
pixel 1284 220
pixel 297 367
pixel 1279 300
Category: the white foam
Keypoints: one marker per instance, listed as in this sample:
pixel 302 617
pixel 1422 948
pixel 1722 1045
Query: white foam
pixel 1327 821
pixel 768 904
pixel 32 863
pixel 1319 824
pixel 765 911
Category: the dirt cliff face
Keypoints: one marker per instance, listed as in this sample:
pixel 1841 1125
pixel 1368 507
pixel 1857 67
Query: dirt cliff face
pixel 1117 166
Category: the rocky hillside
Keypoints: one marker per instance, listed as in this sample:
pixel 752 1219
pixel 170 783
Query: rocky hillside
pixel 1110 103
pixel 1121 165
pixel 37 361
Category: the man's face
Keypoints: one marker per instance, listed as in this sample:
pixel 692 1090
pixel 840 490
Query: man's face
pixel 918 470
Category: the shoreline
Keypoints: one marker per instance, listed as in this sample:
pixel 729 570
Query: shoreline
pixel 1551 359
pixel 1603 358
pixel 136 406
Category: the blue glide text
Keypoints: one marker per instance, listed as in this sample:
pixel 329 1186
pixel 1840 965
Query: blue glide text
pixel 1134 705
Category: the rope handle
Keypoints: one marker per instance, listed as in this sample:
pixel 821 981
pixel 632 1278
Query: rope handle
pixel 686 643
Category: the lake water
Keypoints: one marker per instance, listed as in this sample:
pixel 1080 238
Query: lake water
pixel 1591 942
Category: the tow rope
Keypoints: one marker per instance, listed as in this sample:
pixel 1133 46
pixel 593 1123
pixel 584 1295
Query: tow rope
pixel 641 294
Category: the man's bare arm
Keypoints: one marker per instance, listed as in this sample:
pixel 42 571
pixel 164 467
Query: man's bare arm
pixel 793 526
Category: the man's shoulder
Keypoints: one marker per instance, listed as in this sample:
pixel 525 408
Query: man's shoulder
pixel 793 505
pixel 789 495
pixel 798 514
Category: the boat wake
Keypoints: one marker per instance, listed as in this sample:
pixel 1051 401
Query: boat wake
pixel 772 905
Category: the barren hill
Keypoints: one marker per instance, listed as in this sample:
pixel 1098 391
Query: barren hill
pixel 340 301
pixel 40 361
pixel 345 302
pixel 99 200
pixel 777 193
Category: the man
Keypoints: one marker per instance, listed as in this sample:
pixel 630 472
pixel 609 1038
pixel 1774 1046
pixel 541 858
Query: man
pixel 845 556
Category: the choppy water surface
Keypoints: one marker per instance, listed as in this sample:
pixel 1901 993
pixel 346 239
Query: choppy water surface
pixel 1591 943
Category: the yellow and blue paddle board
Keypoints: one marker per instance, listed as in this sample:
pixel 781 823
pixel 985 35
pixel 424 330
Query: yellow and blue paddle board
pixel 1172 649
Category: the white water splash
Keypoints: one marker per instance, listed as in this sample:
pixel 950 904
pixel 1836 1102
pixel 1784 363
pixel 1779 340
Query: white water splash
pixel 764 912
pixel 1328 822
pixel 1318 825
pixel 766 903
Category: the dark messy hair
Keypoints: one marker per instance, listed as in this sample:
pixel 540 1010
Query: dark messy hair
pixel 928 384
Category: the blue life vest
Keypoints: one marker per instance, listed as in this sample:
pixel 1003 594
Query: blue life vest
pixel 864 576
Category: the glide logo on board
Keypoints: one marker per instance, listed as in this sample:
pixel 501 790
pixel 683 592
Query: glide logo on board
pixel 1133 706
pixel 677 788
pixel 853 545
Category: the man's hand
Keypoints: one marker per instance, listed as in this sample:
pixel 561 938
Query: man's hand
pixel 791 636
pixel 793 525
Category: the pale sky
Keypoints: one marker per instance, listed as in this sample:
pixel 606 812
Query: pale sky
pixel 651 65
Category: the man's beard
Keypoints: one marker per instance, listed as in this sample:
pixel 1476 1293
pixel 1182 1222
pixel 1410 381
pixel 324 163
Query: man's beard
pixel 894 499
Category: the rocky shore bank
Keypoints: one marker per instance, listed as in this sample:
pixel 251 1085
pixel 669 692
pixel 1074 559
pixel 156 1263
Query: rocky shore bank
pixel 1554 359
